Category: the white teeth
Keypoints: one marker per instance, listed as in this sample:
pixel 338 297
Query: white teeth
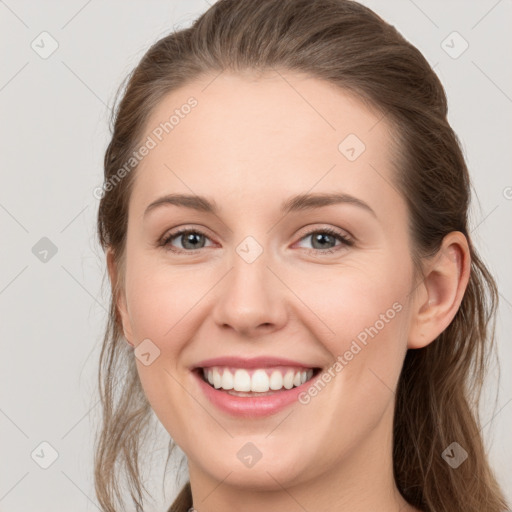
pixel 276 380
pixel 288 379
pixel 227 380
pixel 242 381
pixel 216 378
pixel 261 380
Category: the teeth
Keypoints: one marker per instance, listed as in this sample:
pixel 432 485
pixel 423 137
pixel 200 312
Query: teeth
pixel 227 380
pixel 242 381
pixel 216 378
pixel 276 380
pixel 259 380
pixel 288 379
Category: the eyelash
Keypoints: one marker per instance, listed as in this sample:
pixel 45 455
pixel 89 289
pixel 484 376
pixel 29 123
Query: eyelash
pixel 165 242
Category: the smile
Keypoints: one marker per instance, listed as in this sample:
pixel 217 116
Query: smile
pixel 251 382
pixel 261 387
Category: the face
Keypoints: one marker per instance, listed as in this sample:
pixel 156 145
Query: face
pixel 318 289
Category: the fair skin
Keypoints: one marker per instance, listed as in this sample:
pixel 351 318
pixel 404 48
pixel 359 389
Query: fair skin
pixel 250 144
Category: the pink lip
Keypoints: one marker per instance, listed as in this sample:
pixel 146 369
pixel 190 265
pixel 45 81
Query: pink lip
pixel 250 407
pixel 255 362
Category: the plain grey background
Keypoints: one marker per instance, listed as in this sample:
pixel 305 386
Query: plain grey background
pixel 54 132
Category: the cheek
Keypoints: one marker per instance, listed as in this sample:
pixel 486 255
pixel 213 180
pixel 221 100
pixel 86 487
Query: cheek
pixel 157 301
pixel 160 311
pixel 358 304
pixel 360 384
pixel 367 315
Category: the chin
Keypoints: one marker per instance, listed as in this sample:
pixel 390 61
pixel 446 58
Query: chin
pixel 266 473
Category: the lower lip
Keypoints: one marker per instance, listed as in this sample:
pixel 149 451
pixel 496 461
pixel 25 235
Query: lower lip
pixel 251 406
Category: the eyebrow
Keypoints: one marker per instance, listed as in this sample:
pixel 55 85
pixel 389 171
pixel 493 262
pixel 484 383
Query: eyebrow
pixel 293 204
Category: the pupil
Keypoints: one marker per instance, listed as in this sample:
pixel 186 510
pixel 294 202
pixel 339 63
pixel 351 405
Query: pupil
pixel 190 238
pixel 321 237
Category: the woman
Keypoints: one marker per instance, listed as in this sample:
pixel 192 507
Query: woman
pixel 295 293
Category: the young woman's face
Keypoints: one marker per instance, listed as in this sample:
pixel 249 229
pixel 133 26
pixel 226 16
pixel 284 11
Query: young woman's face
pixel 260 277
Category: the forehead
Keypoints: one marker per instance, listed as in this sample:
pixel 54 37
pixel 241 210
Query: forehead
pixel 247 137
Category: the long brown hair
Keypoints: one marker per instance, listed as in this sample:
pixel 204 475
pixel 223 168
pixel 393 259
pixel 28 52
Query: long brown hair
pixel 347 44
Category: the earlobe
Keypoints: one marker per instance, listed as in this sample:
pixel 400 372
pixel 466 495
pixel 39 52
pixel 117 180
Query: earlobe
pixel 439 296
pixel 119 295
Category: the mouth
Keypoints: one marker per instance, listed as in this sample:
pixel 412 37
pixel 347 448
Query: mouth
pixel 255 382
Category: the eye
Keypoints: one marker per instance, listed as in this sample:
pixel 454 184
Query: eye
pixel 322 238
pixel 191 242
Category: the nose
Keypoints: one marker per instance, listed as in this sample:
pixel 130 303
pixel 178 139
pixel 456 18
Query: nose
pixel 250 299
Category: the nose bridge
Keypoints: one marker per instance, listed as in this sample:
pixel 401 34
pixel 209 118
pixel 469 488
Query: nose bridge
pixel 250 296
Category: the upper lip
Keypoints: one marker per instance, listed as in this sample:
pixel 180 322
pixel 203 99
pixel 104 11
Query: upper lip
pixel 253 362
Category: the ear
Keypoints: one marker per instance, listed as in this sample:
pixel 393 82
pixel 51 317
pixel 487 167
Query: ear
pixel 120 297
pixel 440 294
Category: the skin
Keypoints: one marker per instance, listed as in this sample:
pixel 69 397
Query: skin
pixel 249 144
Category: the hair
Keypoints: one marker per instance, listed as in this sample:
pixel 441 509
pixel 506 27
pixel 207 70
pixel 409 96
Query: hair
pixel 344 43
